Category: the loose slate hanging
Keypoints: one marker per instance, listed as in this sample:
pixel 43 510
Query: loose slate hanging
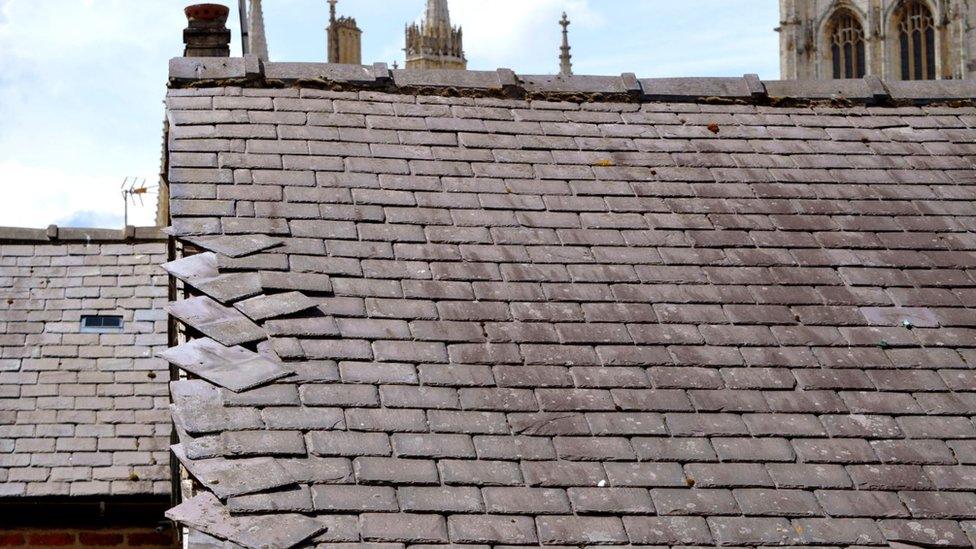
pixel 199 266
pixel 277 305
pixel 236 245
pixel 223 324
pixel 230 287
pixel 234 368
pixel 198 405
pixel 205 513
pixel 200 271
pixel 226 478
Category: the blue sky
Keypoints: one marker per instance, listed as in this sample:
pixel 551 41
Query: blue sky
pixel 82 81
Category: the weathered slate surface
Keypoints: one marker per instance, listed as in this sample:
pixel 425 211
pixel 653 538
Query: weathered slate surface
pixel 235 368
pixel 223 324
pixel 236 245
pixel 200 271
pixel 82 414
pixel 195 267
pixel 265 307
pixel 200 409
pixel 593 322
pixel 207 514
pixel 226 478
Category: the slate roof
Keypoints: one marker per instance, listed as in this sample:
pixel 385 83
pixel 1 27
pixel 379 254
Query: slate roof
pixel 642 320
pixel 82 414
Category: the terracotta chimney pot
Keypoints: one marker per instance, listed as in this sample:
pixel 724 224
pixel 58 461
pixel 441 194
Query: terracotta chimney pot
pixel 207 34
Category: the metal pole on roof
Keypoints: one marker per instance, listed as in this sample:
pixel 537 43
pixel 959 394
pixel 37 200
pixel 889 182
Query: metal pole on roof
pixel 242 9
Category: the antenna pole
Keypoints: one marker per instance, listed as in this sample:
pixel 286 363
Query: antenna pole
pixel 242 8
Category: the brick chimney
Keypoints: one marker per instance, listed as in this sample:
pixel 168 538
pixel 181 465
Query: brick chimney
pixel 207 34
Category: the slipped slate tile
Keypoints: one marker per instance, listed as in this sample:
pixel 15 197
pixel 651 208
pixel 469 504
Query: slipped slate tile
pixel 200 409
pixel 226 477
pixel 231 287
pixel 223 324
pixel 236 245
pixel 234 368
pixel 194 267
pixel 205 513
pixel 200 271
pixel 271 306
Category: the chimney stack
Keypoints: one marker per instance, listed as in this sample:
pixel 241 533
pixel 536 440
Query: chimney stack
pixel 207 34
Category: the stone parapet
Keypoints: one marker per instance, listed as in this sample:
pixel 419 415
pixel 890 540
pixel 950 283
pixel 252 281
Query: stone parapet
pixel 250 72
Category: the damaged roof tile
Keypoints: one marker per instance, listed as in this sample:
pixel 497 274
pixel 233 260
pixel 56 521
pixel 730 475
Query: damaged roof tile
pixel 608 319
pixel 264 307
pixel 235 368
pixel 223 324
pixel 205 513
pixel 236 245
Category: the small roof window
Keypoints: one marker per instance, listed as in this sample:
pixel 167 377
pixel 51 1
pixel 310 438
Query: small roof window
pixel 101 324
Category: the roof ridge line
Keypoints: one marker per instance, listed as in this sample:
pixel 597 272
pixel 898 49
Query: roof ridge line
pixel 53 233
pixel 249 71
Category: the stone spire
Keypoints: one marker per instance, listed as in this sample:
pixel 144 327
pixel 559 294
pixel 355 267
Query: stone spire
pixel 565 58
pixel 258 40
pixel 434 43
pixel 437 13
pixel 345 38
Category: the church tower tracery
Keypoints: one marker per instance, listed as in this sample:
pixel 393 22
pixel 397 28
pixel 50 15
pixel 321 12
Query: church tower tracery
pixel 434 43
pixel 898 39
pixel 345 38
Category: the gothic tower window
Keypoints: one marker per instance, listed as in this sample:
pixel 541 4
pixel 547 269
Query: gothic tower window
pixel 916 41
pixel 845 37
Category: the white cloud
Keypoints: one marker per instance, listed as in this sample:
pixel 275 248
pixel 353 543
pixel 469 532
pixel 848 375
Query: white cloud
pixel 500 32
pixel 37 197
pixel 81 84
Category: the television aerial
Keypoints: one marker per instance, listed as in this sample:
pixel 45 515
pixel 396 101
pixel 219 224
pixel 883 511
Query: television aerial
pixel 133 188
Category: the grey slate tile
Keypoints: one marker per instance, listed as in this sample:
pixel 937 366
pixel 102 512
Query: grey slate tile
pixel 205 512
pixel 237 245
pixel 227 478
pixel 689 348
pixel 198 407
pixel 277 305
pixel 235 368
pixel 263 443
pixel 295 500
pixel 222 324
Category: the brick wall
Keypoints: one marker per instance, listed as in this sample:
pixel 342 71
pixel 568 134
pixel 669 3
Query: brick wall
pixel 109 537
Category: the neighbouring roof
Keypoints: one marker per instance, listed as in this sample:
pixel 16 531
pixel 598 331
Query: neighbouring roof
pixel 82 414
pixel 430 314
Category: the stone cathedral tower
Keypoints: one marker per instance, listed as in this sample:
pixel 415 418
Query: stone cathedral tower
pixel 893 39
pixel 434 43
pixel 345 38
